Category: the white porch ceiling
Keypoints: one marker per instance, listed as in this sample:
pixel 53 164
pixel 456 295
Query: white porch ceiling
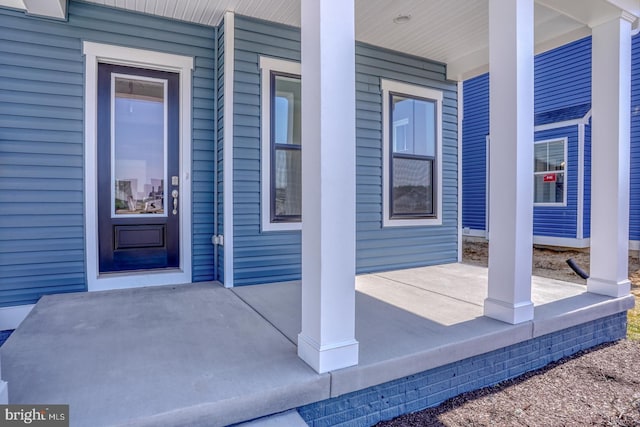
pixel 454 32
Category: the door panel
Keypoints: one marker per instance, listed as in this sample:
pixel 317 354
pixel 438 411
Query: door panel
pixel 138 169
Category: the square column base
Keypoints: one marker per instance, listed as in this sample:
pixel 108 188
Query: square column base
pixel 507 312
pixel 327 358
pixel 608 287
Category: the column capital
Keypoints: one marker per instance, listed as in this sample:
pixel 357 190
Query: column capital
pixel 623 16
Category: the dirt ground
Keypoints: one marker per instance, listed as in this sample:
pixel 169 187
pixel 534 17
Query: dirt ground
pixel 598 387
pixel 551 262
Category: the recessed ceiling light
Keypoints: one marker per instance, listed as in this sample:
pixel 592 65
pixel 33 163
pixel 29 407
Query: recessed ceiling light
pixel 402 19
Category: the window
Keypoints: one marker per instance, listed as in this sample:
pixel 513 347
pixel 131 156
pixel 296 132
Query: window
pixel 412 143
pixel 281 145
pixel 550 163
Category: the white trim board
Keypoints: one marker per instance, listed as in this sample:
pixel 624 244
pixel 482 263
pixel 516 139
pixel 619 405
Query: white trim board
pixel 580 201
pixel 566 242
pixel 460 87
pixel 634 245
pixel 227 160
pixel 389 86
pixel 12 317
pixel 471 232
pixel 183 65
pixel 267 65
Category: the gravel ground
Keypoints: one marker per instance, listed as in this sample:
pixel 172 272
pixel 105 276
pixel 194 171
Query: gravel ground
pixel 597 387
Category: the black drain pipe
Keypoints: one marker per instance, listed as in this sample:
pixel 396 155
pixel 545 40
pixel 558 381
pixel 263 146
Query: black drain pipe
pixel 575 267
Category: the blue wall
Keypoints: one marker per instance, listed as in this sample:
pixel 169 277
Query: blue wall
pixel 634 212
pixel 475 128
pixel 563 76
pixel 389 248
pixel 42 141
pixel 258 257
pixel 276 256
pixel 219 250
pixel 562 80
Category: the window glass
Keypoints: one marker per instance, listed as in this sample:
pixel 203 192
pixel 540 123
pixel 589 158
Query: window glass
pixel 287 112
pixel 414 126
pixel 286 176
pixel 549 172
pixel 412 186
pixel 288 188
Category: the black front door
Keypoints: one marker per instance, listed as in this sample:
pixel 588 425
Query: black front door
pixel 138 169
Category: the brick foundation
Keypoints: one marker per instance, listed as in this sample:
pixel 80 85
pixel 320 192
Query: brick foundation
pixel 430 388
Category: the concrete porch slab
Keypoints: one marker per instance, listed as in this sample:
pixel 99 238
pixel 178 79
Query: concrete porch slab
pixel 200 354
pixel 408 321
pixel 173 355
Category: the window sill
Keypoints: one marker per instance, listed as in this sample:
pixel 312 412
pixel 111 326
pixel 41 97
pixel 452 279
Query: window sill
pixel 281 226
pixel 389 222
pixel 549 205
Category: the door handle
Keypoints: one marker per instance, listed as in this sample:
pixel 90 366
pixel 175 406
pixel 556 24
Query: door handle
pixel 174 194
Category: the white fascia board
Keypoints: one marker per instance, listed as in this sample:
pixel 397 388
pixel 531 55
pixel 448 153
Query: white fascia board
pixel 47 8
pixel 557 125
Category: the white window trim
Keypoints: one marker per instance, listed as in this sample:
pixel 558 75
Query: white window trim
pixel 562 204
pixel 389 86
pixel 102 53
pixel 267 65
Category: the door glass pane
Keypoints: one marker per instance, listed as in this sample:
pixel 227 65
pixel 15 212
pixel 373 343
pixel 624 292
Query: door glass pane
pixel 138 149
pixel 412 187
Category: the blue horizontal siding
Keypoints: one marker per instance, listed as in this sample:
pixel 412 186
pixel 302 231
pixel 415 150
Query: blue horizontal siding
pixel 258 257
pixel 586 218
pixel 475 128
pixel 42 141
pixel 261 257
pixel 219 252
pixel 634 205
pixel 379 248
pixel 563 76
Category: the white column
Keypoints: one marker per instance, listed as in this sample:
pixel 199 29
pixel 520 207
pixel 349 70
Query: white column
pixel 511 159
pixel 611 93
pixel 327 341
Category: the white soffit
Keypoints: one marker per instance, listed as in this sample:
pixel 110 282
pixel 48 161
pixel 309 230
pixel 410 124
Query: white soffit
pixel 210 12
pixel 454 32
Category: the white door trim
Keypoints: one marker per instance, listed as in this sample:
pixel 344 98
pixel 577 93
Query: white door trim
pixel 103 53
pixel 227 144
